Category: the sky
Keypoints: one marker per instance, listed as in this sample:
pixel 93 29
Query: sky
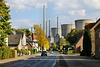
pixel 25 13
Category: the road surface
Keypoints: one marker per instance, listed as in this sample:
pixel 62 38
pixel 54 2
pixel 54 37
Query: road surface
pixel 38 61
pixel 76 61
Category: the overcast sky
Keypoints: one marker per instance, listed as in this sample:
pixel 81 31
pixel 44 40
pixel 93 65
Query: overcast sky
pixel 25 13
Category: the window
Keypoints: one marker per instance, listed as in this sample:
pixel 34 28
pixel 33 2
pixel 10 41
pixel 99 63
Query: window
pixel 11 41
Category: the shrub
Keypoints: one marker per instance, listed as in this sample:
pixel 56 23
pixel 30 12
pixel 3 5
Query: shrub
pixel 0 53
pixel 82 53
pixel 12 53
pixel 26 52
pixel 5 52
pixel 33 51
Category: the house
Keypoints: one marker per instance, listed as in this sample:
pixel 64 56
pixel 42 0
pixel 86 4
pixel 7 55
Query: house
pixel 17 40
pixel 93 29
pixel 97 41
pixel 79 44
pixel 31 41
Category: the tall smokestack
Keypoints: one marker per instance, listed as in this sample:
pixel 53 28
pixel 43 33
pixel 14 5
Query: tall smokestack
pixel 44 18
pixel 46 29
pixel 49 28
pixel 57 25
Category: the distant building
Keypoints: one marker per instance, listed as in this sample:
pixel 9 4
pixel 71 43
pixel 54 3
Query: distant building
pixel 55 35
pixel 66 28
pixel 80 24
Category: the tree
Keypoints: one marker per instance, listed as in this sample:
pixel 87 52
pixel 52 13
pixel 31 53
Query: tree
pixel 87 46
pixel 62 41
pixel 40 36
pixel 19 30
pixel 5 27
pixel 74 35
pixel 27 31
pixel 53 45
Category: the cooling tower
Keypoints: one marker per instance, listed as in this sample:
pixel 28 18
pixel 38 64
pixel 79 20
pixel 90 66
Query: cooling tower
pixel 66 28
pixel 54 31
pixel 80 24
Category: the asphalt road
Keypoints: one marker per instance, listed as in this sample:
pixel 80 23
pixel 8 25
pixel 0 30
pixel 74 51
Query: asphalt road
pixel 38 61
pixel 76 61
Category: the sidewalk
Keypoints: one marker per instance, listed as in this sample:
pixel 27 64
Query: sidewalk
pixel 17 59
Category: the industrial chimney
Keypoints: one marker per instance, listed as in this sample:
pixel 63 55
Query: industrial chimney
pixel 49 28
pixel 57 25
pixel 44 19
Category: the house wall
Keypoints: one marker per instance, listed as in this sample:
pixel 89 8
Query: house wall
pixel 97 43
pixel 24 40
pixel 20 44
pixel 13 47
pixel 93 41
pixel 79 45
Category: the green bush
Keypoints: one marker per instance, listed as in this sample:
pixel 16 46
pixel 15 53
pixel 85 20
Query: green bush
pixel 5 52
pixel 26 52
pixel 17 50
pixel 33 51
pixel 0 53
pixel 12 53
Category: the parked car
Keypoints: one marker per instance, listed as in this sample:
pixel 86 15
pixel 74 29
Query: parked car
pixel 44 53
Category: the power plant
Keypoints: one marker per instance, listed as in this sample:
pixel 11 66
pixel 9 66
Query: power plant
pixel 57 32
pixel 66 28
pixel 80 24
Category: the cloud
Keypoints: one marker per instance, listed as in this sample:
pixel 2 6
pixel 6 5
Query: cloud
pixel 72 7
pixel 21 23
pixel 77 12
pixel 26 4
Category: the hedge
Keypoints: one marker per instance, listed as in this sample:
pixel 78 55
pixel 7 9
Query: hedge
pixel 33 51
pixel 6 52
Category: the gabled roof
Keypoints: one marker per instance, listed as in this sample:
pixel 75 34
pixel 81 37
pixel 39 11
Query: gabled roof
pixel 79 38
pixel 91 26
pixel 96 24
pixel 14 39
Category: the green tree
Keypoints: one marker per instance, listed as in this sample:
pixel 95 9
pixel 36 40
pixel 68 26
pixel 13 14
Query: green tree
pixel 87 43
pixel 27 31
pixel 19 30
pixel 73 36
pixel 53 45
pixel 5 27
pixel 62 41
